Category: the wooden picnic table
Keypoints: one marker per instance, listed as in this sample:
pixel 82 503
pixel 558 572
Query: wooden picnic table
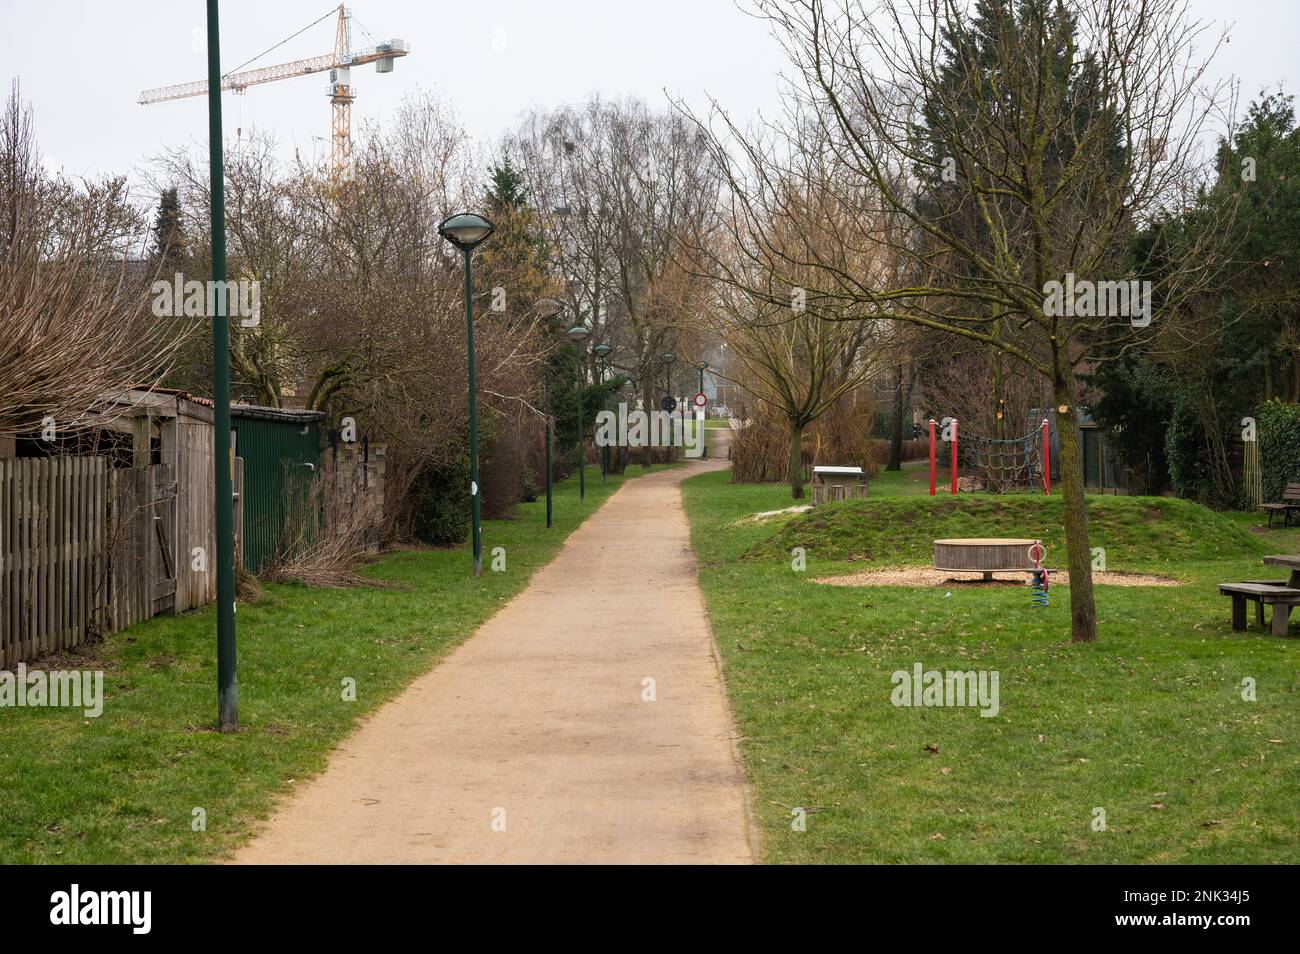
pixel 1289 560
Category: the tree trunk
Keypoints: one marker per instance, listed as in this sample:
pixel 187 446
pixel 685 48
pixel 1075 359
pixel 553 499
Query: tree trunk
pixel 1083 612
pixel 795 472
pixel 896 424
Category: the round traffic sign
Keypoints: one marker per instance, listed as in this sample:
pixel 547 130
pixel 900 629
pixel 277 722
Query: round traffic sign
pixel 668 404
pixel 701 399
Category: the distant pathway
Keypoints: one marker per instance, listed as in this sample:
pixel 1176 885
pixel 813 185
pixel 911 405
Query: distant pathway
pixel 538 722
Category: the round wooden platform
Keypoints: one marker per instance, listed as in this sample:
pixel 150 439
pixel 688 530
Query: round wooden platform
pixel 984 555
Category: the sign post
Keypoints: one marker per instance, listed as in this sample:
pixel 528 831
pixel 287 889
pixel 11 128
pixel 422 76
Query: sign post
pixel 701 401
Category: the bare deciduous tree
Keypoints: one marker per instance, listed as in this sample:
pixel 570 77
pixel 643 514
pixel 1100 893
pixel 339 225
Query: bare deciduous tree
pixel 617 185
pixel 75 322
pixel 792 343
pixel 1065 125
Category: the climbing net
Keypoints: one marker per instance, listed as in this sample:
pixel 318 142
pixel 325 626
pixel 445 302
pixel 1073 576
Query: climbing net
pixel 1002 466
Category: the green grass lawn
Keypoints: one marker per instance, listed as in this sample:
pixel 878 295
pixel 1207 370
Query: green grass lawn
pixel 912 480
pixel 122 788
pixel 1147 724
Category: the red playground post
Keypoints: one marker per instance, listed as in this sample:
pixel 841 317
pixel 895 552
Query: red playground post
pixel 1047 459
pixel 931 457
pixel 954 457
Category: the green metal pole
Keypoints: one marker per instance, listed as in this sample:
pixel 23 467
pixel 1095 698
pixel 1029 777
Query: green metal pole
pixel 582 450
pixel 473 418
pixel 604 450
pixel 224 460
pixel 668 392
pixel 550 438
pixel 701 436
pixel 682 438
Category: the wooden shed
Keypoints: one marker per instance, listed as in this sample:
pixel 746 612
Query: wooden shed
pixel 107 522
pixel 171 449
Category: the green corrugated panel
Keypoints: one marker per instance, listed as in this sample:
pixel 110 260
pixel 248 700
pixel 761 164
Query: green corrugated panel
pixel 275 453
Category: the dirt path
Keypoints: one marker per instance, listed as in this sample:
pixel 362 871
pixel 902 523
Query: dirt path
pixel 538 721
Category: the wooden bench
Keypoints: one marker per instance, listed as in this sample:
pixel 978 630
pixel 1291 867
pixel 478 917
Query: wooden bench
pixel 1281 598
pixel 1290 503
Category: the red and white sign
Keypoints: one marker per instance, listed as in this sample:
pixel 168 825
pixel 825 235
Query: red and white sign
pixel 701 399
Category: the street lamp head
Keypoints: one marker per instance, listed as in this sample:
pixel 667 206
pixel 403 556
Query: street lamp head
pixel 465 230
pixel 549 307
pixel 603 350
pixel 703 365
pixel 668 357
pixel 578 334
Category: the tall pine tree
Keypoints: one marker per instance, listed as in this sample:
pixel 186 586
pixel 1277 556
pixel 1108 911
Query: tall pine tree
pixel 168 235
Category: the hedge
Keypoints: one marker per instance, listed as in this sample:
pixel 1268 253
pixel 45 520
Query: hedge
pixel 1278 431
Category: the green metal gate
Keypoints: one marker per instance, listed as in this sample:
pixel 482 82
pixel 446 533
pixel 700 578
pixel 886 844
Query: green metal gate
pixel 1092 476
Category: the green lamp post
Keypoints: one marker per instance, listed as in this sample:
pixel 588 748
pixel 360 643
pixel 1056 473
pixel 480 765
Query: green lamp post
pixel 703 366
pixel 549 308
pixel 466 231
pixel 603 351
pixel 668 358
pixel 578 335
pixel 223 456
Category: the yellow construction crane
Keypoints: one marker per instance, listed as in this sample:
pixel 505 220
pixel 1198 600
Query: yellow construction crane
pixel 339 63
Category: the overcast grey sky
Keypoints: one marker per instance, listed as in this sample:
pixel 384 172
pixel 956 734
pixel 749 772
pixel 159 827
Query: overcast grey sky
pixel 83 64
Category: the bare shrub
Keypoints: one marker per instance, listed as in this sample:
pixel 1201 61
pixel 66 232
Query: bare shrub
pixel 841 436
pixel 312 554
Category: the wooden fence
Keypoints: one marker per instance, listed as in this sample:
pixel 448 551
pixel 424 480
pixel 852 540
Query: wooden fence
pixel 52 554
pixel 86 549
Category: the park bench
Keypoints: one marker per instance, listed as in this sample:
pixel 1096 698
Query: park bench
pixel 1281 598
pixel 1290 503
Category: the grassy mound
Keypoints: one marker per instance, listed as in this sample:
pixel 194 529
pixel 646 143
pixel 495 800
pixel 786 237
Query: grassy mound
pixel 1149 721
pixel 1134 531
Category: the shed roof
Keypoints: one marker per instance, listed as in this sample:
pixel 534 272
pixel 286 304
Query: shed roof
pixel 285 415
